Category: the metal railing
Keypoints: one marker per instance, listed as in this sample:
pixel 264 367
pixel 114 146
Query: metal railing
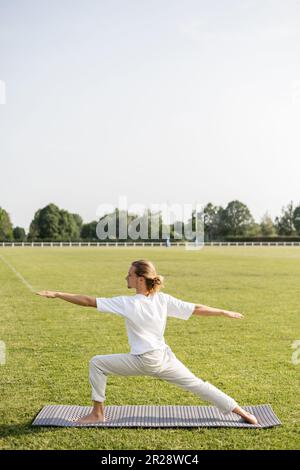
pixel 137 244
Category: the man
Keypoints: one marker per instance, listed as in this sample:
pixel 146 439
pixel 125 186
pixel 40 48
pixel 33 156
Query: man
pixel 146 314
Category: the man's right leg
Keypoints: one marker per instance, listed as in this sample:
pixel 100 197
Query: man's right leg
pixel 100 368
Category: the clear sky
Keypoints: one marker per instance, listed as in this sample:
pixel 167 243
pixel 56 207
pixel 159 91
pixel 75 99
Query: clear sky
pixel 170 101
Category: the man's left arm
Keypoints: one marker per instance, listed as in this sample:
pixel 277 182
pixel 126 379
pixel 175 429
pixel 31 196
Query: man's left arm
pixel 204 310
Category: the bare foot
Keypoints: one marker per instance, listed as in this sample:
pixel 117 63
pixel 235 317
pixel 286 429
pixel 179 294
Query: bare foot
pixel 92 418
pixel 248 417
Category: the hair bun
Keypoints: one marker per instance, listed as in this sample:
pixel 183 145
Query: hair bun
pixel 156 280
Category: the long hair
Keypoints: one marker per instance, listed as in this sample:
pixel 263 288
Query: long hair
pixel 147 270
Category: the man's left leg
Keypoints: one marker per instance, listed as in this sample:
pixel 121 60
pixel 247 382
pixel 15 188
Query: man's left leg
pixel 177 373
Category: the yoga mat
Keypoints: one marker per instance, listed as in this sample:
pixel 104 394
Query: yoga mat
pixel 156 416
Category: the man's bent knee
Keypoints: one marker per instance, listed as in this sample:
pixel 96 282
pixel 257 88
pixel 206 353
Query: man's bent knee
pixel 95 363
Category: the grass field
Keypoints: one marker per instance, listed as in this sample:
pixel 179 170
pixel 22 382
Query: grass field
pixel 50 342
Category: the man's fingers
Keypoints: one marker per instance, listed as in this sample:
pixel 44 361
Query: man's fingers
pixel 235 315
pixel 45 293
pixel 239 315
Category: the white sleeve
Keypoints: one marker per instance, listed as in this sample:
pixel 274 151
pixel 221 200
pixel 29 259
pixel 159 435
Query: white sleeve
pixel 111 305
pixel 179 308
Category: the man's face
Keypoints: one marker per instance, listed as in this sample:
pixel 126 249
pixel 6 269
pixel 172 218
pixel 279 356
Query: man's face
pixel 131 278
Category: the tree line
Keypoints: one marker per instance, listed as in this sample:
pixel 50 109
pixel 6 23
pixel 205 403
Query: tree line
pixel 235 221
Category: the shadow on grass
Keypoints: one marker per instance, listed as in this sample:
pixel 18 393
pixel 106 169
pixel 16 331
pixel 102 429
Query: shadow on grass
pixel 9 430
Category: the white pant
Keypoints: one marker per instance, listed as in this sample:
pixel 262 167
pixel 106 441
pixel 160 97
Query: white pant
pixel 161 363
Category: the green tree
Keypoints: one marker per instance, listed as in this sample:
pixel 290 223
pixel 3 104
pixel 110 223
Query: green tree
pixel 46 223
pixel 69 229
pixel 6 228
pixel 88 231
pixel 267 226
pixel 285 223
pixel 19 234
pixel 236 219
pixel 52 223
pixel 253 230
pixel 78 220
pixel 212 221
pixel 296 219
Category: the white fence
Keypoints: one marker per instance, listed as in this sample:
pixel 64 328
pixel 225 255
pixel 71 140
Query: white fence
pixel 138 244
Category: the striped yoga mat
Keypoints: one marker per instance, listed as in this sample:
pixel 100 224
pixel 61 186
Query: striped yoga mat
pixel 156 416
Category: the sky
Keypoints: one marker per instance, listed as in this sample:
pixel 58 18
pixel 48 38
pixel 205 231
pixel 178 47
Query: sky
pixel 173 101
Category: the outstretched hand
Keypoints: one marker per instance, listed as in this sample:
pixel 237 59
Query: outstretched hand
pixel 229 314
pixel 47 293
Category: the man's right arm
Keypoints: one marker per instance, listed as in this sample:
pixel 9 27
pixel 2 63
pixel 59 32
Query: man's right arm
pixel 83 300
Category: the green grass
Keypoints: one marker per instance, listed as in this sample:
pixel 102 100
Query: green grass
pixel 50 342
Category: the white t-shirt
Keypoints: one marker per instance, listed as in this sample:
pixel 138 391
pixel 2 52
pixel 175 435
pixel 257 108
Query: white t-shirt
pixel 146 317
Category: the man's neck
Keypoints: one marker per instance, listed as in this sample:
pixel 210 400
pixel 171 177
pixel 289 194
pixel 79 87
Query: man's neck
pixel 145 293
